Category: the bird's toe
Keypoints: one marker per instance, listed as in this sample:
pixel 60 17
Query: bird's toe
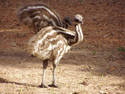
pixel 53 85
pixel 42 86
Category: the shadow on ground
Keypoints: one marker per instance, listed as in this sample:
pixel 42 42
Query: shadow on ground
pixel 103 63
pixel 2 80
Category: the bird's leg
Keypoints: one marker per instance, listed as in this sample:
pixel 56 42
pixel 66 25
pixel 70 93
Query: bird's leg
pixel 45 64
pixel 54 77
pixel 54 74
pixel 55 63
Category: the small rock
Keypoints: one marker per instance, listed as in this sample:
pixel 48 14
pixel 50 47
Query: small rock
pixel 13 44
pixel 84 83
pixel 102 92
pixel 75 93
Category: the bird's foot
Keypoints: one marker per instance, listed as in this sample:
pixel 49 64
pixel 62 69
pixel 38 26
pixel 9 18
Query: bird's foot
pixel 42 86
pixel 53 85
pixel 32 55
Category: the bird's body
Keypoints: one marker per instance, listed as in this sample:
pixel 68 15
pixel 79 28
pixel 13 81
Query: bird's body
pixel 51 43
pixel 48 44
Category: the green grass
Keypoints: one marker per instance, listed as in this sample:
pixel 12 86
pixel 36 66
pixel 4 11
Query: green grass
pixel 121 49
pixel 81 1
pixel 94 52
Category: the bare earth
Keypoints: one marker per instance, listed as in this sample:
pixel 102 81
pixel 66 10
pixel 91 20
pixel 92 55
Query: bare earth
pixel 96 66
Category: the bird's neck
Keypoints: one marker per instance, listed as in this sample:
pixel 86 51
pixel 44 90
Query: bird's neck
pixel 79 33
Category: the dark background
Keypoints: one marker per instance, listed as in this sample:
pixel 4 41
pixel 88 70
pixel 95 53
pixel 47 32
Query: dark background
pixel 104 19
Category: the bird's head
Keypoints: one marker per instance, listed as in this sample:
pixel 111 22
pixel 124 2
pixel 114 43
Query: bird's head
pixel 78 18
pixel 67 21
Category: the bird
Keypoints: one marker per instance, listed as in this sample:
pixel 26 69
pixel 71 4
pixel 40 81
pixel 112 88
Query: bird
pixel 52 42
pixel 37 16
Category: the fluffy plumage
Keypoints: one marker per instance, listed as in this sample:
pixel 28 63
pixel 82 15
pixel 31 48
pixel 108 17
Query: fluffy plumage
pixel 38 16
pixel 51 43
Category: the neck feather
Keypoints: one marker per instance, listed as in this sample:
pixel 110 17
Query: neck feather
pixel 79 33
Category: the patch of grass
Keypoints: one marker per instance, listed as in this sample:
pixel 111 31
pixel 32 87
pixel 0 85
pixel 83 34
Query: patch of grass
pixel 94 52
pixel 81 1
pixel 121 49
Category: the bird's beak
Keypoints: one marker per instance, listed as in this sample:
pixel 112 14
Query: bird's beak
pixel 82 22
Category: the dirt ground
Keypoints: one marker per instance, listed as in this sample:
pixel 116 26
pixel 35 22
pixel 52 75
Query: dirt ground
pixel 96 66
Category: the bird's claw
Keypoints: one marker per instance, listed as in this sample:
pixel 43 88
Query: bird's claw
pixel 42 86
pixel 53 85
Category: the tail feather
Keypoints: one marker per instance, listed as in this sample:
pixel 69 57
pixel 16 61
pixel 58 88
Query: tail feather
pixel 38 16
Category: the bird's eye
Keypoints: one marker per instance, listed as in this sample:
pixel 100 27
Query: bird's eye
pixel 76 20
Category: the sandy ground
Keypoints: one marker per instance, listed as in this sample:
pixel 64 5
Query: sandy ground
pixel 81 71
pixel 96 66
